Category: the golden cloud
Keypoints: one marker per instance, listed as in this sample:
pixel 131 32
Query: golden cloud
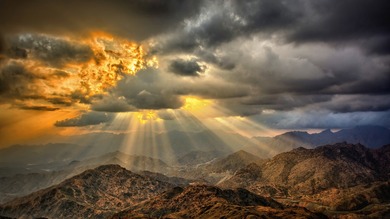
pixel 67 80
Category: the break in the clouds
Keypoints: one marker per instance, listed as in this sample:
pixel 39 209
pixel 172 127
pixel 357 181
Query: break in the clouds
pixel 296 61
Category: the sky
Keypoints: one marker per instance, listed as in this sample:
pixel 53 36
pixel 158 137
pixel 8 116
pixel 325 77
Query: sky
pixel 251 67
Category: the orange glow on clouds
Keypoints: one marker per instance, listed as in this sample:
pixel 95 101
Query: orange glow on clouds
pixel 113 58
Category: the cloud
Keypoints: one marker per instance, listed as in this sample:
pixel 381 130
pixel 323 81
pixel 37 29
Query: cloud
pixel 356 103
pixel 186 67
pixel 16 81
pixel 149 89
pixel 38 108
pixel 320 58
pixel 137 19
pixel 53 51
pixel 166 115
pixel 347 22
pixel 112 104
pixel 321 119
pixel 86 119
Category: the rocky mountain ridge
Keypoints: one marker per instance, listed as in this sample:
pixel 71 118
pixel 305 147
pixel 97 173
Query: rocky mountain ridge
pixel 94 193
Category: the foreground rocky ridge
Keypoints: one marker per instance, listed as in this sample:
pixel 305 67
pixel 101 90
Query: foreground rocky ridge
pixel 203 201
pixel 94 193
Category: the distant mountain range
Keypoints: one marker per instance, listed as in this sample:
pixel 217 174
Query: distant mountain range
pixel 49 157
pixel 342 179
pixel 369 136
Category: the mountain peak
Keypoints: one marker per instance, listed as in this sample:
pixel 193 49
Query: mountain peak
pixel 93 193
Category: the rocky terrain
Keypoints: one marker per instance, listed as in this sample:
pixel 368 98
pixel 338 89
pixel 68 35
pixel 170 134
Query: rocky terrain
pixel 340 180
pixel 94 193
pixel 340 177
pixel 202 201
pixel 218 168
pixel 199 157
pixel 22 184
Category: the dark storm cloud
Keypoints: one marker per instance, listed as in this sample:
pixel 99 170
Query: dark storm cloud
pixel 186 67
pixel 156 89
pixel 347 21
pixel 148 100
pixel 321 119
pixel 112 104
pixel 86 119
pixel 16 81
pixel 2 44
pixel 17 53
pixel 223 21
pixel 51 50
pixel 65 101
pixel 285 101
pixel 356 103
pixel 328 21
pixel 149 89
pixel 136 19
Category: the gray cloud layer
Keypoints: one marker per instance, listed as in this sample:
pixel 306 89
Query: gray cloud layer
pixel 186 67
pixel 86 119
pixel 296 59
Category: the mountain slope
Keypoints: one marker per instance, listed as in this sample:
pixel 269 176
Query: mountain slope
pixel 130 162
pixel 199 157
pixel 234 162
pixel 22 184
pixel 312 170
pixel 220 168
pixel 201 201
pixel 94 193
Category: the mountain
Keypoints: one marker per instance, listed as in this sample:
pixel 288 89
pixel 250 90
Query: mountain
pixel 312 170
pixel 22 184
pixel 370 136
pixel 199 157
pixel 19 159
pixel 94 193
pixel 202 201
pixel 177 181
pixel 219 168
pixel 355 176
pixel 233 162
pixel 130 162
